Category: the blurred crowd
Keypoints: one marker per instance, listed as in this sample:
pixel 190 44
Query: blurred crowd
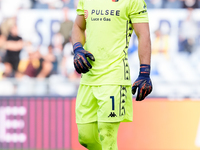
pixel 172 4
pixel 19 58
pixel 6 6
pixel 22 58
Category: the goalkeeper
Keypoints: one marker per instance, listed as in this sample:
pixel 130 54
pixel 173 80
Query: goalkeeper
pixel 100 38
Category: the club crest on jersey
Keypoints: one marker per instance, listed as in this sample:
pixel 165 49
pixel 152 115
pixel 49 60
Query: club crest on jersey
pixel 115 0
pixel 85 14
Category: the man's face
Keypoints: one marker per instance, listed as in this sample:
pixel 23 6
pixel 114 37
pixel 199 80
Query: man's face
pixel 14 30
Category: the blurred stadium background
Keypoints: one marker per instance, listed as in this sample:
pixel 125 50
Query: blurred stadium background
pixel 38 84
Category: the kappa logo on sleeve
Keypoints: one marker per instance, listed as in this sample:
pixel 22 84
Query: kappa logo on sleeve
pixel 85 14
pixel 115 0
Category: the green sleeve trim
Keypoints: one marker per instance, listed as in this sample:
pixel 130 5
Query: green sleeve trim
pixel 140 18
pixel 80 12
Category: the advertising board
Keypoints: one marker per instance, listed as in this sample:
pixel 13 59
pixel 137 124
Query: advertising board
pixel 35 123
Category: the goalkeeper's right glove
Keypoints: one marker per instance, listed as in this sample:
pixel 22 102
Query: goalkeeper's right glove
pixel 81 63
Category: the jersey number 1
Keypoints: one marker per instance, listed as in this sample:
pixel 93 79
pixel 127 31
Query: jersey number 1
pixel 113 102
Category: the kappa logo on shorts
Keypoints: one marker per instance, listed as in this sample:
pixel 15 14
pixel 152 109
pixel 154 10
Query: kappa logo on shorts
pixel 112 114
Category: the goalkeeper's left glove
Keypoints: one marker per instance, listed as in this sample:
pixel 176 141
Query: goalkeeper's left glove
pixel 143 83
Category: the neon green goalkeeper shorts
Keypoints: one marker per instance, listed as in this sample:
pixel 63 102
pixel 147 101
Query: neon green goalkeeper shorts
pixel 105 103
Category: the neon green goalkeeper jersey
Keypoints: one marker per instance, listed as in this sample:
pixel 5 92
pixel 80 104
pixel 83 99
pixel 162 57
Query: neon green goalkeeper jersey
pixel 108 31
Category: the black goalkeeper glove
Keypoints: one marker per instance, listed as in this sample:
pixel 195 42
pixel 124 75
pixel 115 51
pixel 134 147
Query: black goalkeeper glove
pixel 143 83
pixel 81 63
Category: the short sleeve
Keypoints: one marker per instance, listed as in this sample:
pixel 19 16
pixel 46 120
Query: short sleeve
pixel 138 11
pixel 80 8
